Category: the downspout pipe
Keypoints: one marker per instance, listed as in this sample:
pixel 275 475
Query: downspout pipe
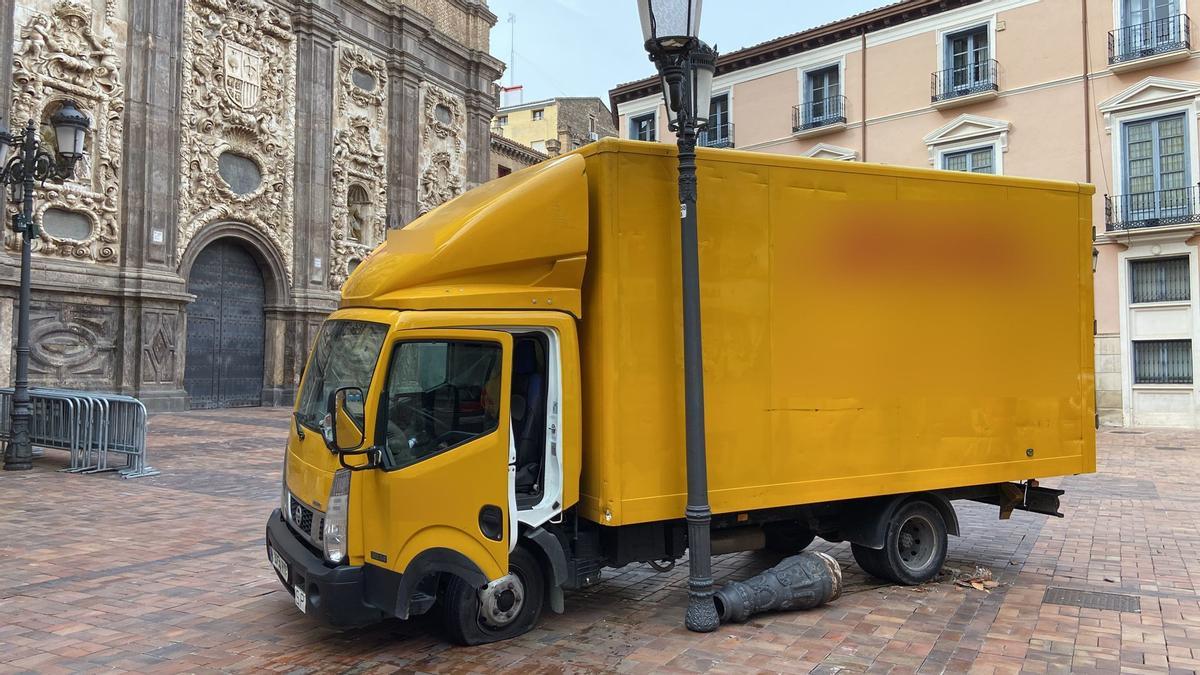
pixel 863 96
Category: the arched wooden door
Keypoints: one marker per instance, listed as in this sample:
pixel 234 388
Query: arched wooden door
pixel 225 326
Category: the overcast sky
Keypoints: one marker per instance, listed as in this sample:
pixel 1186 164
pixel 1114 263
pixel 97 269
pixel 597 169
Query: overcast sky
pixel 585 47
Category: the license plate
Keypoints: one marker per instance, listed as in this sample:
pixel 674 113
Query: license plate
pixel 301 599
pixel 280 564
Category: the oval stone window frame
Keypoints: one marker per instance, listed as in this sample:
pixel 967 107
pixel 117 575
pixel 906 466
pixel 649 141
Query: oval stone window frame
pixel 442 113
pixel 241 173
pixel 363 79
pixel 68 225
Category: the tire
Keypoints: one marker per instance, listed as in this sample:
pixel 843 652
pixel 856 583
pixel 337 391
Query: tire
pixel 788 537
pixel 461 608
pixel 914 547
pixel 870 561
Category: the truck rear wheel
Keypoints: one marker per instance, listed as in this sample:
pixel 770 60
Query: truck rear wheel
pixel 914 547
pixel 511 609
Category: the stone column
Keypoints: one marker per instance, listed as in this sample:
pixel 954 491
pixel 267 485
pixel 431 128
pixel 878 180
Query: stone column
pixel 7 21
pixel 153 328
pixel 316 27
pixel 404 121
pixel 316 32
pixel 6 342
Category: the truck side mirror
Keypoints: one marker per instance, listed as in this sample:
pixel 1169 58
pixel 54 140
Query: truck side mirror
pixel 341 428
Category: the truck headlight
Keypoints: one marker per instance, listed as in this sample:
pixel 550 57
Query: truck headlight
pixel 335 517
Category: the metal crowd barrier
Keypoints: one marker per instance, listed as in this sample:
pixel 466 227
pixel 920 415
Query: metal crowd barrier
pixel 90 426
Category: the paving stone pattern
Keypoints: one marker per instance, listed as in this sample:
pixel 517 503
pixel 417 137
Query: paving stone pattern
pixel 168 574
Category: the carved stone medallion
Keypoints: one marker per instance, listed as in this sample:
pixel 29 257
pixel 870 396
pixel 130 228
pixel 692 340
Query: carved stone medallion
pixel 359 161
pixel 239 92
pixel 61 56
pixel 443 169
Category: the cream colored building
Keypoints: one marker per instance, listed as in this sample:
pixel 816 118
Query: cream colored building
pixel 555 125
pixel 1101 91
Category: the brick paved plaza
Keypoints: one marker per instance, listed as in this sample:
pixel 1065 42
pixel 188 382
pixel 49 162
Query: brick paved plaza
pixel 168 574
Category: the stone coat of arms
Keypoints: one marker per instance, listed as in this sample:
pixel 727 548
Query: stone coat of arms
pixel 243 74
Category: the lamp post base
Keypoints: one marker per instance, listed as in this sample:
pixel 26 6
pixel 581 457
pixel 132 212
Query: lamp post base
pixel 701 612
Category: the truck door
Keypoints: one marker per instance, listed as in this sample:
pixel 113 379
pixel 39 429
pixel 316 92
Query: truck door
pixel 443 430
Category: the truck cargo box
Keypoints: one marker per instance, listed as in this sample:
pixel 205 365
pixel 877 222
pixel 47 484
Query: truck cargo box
pixel 867 330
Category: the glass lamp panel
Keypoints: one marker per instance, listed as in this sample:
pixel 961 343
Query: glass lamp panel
pixel 703 94
pixel 669 18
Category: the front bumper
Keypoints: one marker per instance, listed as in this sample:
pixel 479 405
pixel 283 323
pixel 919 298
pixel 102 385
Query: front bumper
pixel 336 595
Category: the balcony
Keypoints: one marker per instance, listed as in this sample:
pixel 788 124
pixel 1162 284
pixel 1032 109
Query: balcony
pixel 822 115
pixel 961 86
pixel 1151 43
pixel 1162 208
pixel 719 136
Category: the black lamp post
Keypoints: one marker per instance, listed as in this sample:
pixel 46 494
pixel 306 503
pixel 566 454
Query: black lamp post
pixel 31 165
pixel 686 66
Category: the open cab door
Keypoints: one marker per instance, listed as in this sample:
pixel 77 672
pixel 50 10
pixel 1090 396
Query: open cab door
pixel 443 435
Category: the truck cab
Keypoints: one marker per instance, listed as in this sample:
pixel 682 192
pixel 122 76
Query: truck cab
pixel 430 439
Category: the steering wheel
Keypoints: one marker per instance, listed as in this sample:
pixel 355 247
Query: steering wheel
pixel 420 412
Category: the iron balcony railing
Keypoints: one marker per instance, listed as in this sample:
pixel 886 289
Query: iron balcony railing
pixel 1161 36
pixel 819 112
pixel 719 136
pixel 1177 206
pixel 976 78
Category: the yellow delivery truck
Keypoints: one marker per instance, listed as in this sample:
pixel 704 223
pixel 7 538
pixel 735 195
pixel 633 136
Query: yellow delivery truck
pixel 495 413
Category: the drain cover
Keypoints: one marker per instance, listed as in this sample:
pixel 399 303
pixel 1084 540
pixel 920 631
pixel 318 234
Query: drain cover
pixel 1168 447
pixel 1124 431
pixel 1092 600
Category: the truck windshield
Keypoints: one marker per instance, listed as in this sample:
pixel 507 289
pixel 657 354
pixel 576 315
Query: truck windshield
pixel 345 356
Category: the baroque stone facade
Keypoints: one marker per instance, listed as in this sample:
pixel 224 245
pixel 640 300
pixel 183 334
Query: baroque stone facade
pixel 244 156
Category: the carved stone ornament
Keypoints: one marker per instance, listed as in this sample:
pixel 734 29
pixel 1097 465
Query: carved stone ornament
pixel 72 345
pixel 239 92
pixel 359 163
pixel 443 168
pixel 61 56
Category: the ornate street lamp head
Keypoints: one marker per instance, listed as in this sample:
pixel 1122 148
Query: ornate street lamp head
pixel 70 128
pixel 669 25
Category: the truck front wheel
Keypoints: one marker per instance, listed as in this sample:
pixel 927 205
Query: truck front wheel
pixel 509 609
pixel 914 546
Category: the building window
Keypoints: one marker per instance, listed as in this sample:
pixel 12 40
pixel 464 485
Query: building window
pixel 1157 184
pixel 642 128
pixel 1162 362
pixel 591 124
pixel 967 57
pixel 823 99
pixel 539 114
pixel 502 120
pixel 1142 12
pixel 540 146
pixel 1160 280
pixel 975 160
pixel 502 171
pixel 719 133
pixel 1147 28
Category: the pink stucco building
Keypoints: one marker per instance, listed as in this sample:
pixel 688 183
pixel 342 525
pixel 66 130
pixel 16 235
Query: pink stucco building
pixel 1100 91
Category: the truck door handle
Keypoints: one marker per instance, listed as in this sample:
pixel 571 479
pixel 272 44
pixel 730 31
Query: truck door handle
pixel 491 522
